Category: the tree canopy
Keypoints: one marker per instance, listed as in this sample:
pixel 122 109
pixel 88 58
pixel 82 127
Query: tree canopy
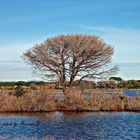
pixel 118 79
pixel 67 58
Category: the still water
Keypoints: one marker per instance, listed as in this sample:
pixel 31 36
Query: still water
pixel 132 92
pixel 85 126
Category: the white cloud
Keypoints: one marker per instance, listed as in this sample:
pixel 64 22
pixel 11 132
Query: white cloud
pixel 13 51
pixel 12 66
pixel 126 41
pixel 115 33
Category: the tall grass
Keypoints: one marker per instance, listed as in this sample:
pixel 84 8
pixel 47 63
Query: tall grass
pixel 34 100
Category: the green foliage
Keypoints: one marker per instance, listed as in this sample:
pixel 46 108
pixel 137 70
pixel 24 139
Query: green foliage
pixel 129 84
pixel 117 79
pixel 83 84
pixel 137 85
pixel 120 85
pixel 19 91
pixel 7 83
pixel 40 83
pixel 23 83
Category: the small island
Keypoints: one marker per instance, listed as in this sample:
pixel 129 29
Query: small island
pixel 40 96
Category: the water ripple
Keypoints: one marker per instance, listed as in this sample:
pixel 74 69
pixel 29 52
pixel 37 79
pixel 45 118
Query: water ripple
pixel 88 126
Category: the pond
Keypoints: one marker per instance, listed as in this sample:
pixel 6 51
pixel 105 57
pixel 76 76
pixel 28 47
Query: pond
pixel 125 92
pixel 85 126
pixel 132 92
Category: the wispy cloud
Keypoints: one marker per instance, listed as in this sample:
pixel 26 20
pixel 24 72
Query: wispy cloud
pixel 126 41
pixel 14 65
pixel 112 30
pixel 120 36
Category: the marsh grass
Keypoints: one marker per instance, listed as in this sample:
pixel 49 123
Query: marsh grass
pixel 47 100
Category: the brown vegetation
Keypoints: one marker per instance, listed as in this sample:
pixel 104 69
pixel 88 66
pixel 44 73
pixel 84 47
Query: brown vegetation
pixel 76 100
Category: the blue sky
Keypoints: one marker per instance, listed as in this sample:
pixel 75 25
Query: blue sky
pixel 28 22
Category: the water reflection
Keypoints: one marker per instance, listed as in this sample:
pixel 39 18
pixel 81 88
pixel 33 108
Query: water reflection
pixel 125 92
pixel 132 92
pixel 80 125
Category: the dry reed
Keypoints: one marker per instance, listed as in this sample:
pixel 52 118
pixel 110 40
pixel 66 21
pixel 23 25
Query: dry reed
pixel 39 101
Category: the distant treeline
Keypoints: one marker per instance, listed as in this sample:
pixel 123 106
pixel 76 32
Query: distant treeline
pixel 111 83
pixel 23 83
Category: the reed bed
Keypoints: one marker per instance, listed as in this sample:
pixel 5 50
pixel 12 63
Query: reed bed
pixel 75 100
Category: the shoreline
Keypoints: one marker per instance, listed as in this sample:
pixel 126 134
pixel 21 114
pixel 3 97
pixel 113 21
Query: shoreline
pixel 67 111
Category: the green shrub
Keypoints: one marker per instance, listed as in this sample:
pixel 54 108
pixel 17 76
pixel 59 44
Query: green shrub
pixel 117 79
pixel 22 83
pixel 7 84
pixel 19 91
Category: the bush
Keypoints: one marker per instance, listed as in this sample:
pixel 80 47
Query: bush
pixel 19 91
pixel 87 84
pixel 7 84
pixel 22 83
pixel 129 84
pixel 117 79
pixel 102 84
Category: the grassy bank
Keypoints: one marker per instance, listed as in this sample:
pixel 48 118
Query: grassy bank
pixel 75 101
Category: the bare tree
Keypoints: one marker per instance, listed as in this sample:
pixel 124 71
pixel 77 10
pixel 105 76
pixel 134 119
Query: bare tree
pixel 67 58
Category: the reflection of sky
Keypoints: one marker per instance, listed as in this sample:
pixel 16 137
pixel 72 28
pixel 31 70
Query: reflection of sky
pixel 23 24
